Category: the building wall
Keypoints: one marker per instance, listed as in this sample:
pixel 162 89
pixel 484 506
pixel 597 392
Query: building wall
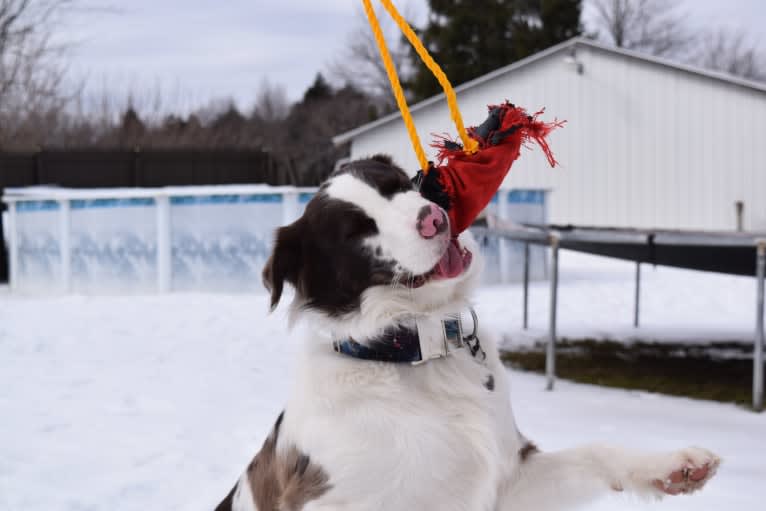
pixel 645 145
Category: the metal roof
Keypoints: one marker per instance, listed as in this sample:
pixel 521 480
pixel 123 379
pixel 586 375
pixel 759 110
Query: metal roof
pixel 571 43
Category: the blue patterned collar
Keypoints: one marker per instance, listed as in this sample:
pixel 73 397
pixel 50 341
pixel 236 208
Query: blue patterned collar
pixel 416 345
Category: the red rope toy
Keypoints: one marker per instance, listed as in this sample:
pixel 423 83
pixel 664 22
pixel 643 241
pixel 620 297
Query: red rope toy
pixel 463 184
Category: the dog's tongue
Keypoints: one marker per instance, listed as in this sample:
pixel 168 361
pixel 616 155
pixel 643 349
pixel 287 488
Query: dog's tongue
pixel 451 264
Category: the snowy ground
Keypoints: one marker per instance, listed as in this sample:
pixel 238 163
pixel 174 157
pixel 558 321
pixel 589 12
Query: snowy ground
pixel 158 402
pixel 596 296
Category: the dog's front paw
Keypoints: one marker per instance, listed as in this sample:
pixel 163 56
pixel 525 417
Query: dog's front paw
pixel 685 471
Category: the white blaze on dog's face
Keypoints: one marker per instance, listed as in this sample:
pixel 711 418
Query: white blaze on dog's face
pixel 399 216
pixel 368 240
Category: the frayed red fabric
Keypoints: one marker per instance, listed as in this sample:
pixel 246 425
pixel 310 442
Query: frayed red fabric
pixel 471 180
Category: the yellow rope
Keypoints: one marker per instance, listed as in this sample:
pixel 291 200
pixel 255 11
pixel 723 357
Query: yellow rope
pixel 401 101
pixel 469 144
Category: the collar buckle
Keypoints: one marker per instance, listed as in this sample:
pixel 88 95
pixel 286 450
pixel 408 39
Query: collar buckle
pixel 439 340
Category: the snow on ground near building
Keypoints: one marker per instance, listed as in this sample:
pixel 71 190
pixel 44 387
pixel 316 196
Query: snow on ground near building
pixel 158 402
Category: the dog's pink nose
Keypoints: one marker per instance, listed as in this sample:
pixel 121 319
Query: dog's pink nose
pixel 431 221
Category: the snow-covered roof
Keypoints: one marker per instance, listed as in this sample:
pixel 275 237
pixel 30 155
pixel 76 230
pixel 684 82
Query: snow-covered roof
pixel 571 43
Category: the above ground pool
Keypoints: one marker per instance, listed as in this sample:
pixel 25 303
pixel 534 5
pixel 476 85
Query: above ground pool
pixel 198 238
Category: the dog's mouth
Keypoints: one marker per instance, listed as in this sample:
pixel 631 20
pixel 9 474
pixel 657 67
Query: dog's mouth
pixel 455 260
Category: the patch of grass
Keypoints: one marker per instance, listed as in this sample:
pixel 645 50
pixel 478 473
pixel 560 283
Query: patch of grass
pixel 715 371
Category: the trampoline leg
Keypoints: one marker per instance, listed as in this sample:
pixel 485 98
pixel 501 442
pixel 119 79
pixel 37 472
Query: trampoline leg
pixel 550 353
pixel 526 285
pixel 758 342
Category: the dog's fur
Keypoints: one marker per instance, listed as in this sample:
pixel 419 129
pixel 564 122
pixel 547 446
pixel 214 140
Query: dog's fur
pixel 372 436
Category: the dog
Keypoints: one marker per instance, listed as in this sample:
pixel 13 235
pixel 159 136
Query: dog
pixel 401 401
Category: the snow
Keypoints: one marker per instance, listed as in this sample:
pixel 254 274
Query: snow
pixel 158 402
pixel 596 296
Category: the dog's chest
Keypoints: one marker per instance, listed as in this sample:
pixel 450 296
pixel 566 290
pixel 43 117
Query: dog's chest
pixel 384 432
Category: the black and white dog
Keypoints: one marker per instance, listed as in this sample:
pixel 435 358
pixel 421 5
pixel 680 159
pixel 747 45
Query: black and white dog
pixel 400 404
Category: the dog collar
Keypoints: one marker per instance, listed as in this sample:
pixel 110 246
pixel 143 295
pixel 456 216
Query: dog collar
pixel 429 340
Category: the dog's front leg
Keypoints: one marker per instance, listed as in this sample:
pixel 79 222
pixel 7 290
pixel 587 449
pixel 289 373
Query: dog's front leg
pixel 564 479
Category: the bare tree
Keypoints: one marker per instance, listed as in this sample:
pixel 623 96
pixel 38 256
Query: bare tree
pixel 30 75
pixel 360 64
pixel 651 26
pixel 271 102
pixel 732 52
pixel 213 109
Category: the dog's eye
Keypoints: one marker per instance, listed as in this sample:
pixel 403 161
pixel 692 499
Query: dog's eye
pixel 359 227
pixel 405 187
pixel 393 187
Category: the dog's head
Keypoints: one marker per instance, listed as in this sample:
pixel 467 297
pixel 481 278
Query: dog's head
pixel 368 244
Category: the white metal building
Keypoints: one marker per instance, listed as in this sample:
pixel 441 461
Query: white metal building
pixel 648 143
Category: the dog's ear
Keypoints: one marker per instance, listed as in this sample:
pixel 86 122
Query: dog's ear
pixel 285 261
pixel 382 158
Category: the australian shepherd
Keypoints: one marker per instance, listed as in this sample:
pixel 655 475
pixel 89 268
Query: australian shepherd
pixel 401 401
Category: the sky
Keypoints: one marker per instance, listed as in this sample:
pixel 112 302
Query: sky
pixel 194 51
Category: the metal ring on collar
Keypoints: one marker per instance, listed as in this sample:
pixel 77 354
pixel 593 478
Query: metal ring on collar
pixel 475 331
